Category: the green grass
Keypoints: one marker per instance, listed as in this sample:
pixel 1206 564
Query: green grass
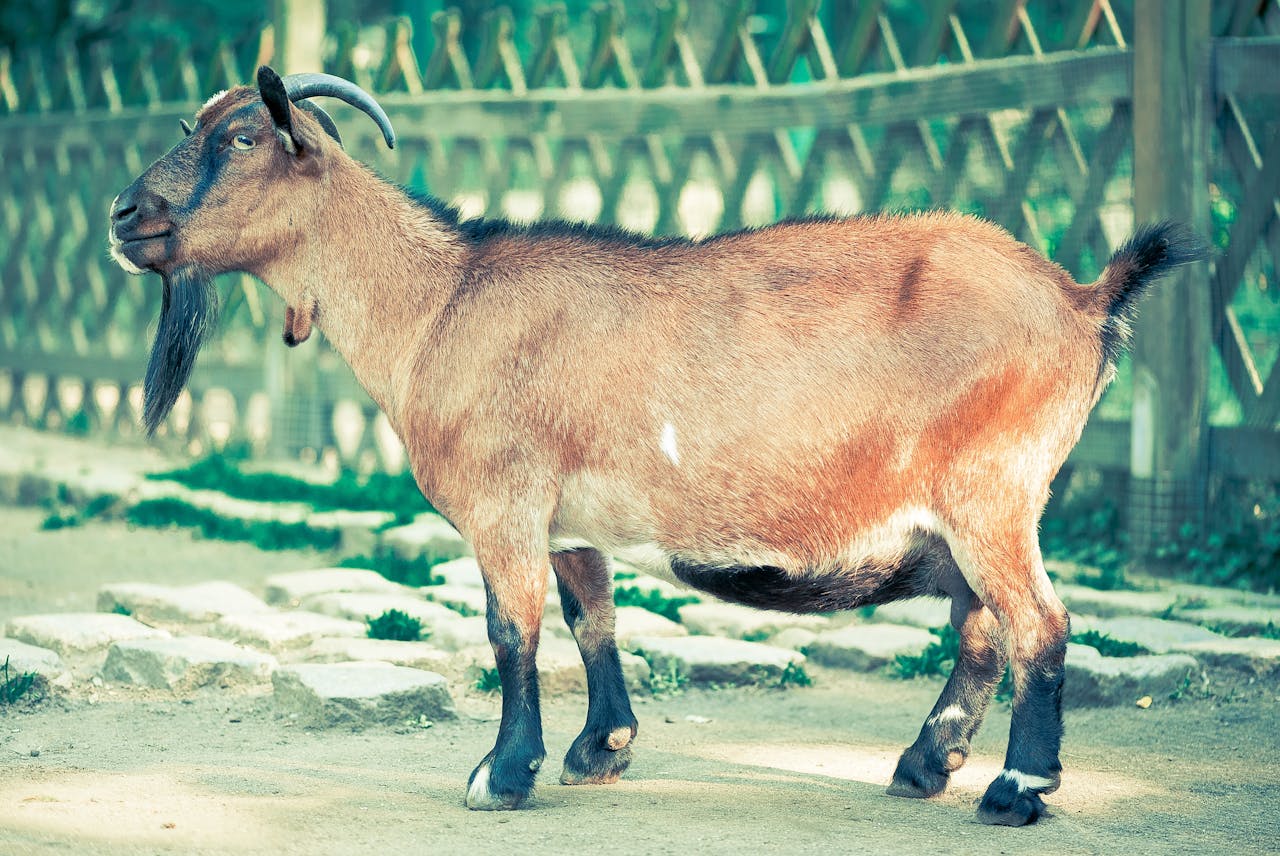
pixel 14 687
pixel 938 659
pixel 1107 646
pixel 264 534
pixel 669 681
pixel 488 681
pixel 794 675
pixel 67 515
pixel 654 601
pixel 409 572
pixel 351 492
pixel 396 626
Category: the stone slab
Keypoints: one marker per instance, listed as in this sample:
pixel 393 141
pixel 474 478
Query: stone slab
pixel 1110 604
pixel 77 632
pixel 1242 620
pixel 415 655
pixel 361 606
pixel 277 631
pixel 1157 635
pixel 1251 654
pixel 1093 680
pixel 202 602
pixel 185 663
pixel 632 621
pixel 463 572
pixel 24 658
pixel 868 646
pixel 360 693
pixel 461 633
pixel 290 588
pixel 795 638
pixel 465 600
pixel 925 612
pixel 716 618
pixel 429 536
pixel 715 660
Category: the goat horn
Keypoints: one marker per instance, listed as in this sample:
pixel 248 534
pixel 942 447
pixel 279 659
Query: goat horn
pixel 309 85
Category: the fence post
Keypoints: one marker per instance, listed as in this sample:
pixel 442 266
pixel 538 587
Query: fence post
pixel 291 377
pixel 1172 114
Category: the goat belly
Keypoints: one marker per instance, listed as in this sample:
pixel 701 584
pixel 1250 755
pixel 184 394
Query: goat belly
pixel 827 591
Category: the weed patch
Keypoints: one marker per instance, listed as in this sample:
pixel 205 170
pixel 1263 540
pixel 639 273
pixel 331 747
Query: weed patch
pixel 488 681
pixel 794 675
pixel 397 626
pixel 654 601
pixel 669 681
pixel 938 659
pixel 264 534
pixel 1107 646
pixel 14 686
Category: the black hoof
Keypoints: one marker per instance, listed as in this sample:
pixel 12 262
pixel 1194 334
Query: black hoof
pixel 598 757
pixel 501 784
pixel 921 773
pixel 1006 804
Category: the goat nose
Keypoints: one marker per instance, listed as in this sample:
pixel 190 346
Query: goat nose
pixel 124 209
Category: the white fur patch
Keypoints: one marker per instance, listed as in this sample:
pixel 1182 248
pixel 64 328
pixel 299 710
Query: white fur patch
pixel 565 545
pixel 648 557
pixel 213 99
pixel 947 714
pixel 1027 782
pixel 478 795
pixel 668 444
pixel 119 258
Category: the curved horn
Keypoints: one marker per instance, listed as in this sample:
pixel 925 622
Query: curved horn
pixel 310 85
pixel 323 118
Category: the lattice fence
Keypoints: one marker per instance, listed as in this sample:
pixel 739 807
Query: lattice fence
pixel 676 122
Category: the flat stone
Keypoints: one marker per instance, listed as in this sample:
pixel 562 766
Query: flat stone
pixel 560 667
pixel 185 663
pixel 868 646
pixel 465 600
pixel 276 631
pixel 461 633
pixel 632 621
pixel 715 618
pixel 290 588
pixel 1251 654
pixel 361 606
pixel 24 658
pixel 795 638
pixel 1109 604
pixel 74 632
pixel 1157 635
pixel 712 659
pixel 923 612
pixel 342 519
pixel 1245 620
pixel 1093 680
pixel 195 603
pixel 415 655
pixel 429 536
pixel 463 572
pixel 360 693
pixel 1219 596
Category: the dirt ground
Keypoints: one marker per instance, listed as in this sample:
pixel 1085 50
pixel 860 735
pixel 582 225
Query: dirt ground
pixel 774 771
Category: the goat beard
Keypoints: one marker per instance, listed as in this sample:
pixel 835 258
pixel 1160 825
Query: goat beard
pixel 187 313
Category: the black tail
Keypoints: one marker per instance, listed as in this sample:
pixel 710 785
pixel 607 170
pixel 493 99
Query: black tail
pixel 1150 253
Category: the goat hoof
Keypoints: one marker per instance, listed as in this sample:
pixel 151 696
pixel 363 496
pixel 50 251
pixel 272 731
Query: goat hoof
pixel 1007 804
pixel 915 777
pixel 598 757
pixel 492 789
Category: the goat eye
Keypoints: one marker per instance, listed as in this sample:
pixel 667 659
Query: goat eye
pixel 241 142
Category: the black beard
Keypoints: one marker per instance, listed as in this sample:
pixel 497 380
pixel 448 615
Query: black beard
pixel 187 314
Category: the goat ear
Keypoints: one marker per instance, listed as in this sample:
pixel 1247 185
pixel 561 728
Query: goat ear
pixel 273 93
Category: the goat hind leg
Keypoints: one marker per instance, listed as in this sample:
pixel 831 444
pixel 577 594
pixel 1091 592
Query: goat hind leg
pixel 602 752
pixel 943 745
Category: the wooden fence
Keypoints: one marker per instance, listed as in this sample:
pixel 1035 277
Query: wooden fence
pixel 1024 112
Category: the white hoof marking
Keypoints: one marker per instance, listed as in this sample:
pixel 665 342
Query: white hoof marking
pixel 947 714
pixel 1027 782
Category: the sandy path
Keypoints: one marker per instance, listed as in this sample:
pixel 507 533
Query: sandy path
pixel 774 772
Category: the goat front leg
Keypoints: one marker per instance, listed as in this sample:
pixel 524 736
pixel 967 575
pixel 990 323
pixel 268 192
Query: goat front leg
pixel 602 752
pixel 516 585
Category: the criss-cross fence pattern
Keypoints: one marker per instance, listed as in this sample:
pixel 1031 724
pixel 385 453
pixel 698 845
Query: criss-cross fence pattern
pixel 1019 111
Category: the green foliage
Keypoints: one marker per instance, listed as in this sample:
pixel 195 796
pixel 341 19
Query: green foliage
pixel 488 681
pixel 397 626
pixel 938 659
pixel 410 572
pixel 121 609
pixel 794 675
pixel 1107 646
pixel 669 681
pixel 14 687
pixel 264 534
pixel 375 492
pixel 67 516
pixel 654 601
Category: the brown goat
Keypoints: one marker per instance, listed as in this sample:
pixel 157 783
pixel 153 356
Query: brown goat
pixel 812 416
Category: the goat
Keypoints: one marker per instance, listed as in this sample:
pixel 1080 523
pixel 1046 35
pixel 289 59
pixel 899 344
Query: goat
pixel 812 416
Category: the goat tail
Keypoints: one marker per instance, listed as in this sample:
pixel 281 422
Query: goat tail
pixel 1151 252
